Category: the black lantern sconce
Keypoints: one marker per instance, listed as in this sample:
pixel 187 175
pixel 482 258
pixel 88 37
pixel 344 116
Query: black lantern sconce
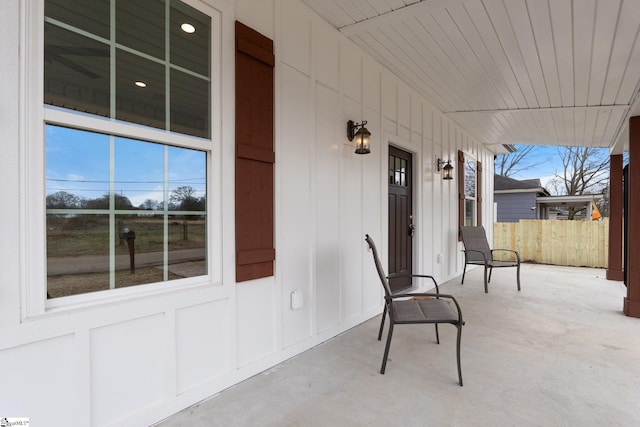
pixel 446 168
pixel 361 135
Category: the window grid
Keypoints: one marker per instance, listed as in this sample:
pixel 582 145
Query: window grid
pixel 397 171
pixel 111 42
pixel 115 213
pixel 114 47
pixel 70 121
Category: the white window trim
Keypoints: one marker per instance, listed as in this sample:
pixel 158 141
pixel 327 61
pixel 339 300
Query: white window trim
pixel 33 116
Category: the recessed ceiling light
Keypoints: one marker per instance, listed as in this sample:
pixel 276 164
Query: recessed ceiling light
pixel 140 84
pixel 188 28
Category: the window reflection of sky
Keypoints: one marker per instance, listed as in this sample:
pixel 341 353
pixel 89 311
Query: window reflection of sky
pixel 139 170
pixel 187 167
pixel 78 163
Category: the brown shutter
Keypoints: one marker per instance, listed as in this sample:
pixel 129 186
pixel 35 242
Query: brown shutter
pixel 479 193
pixel 255 155
pixel 460 193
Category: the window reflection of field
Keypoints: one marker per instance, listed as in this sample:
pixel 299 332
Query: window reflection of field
pixel 81 235
pixel 78 251
pixel 74 284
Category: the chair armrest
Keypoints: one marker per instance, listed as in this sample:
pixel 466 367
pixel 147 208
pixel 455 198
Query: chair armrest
pixel 484 255
pixel 508 250
pixel 426 276
pixel 430 294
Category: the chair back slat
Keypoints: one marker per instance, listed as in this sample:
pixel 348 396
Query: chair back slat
pixel 376 259
pixel 475 239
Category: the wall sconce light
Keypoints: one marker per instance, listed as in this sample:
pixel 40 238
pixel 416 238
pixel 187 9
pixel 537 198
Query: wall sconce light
pixel 361 135
pixel 446 168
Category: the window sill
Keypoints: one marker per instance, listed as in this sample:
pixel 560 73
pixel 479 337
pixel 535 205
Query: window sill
pixel 117 297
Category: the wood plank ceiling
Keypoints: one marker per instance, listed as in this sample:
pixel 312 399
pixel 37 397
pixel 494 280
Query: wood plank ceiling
pixel 541 72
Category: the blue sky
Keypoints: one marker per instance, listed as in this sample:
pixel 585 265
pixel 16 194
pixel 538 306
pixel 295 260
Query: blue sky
pixel 550 164
pixel 78 163
pixel 549 167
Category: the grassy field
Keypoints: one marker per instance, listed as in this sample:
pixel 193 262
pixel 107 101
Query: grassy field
pixel 89 235
pixel 73 284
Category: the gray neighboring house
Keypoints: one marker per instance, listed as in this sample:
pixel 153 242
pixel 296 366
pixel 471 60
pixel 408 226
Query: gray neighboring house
pixel 517 199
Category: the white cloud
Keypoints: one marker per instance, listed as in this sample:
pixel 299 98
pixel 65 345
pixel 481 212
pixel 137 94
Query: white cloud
pixel 73 177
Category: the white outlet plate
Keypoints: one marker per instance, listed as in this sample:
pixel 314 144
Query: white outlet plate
pixel 297 300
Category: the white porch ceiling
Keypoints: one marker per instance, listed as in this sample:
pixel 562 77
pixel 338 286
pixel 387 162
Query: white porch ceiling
pixel 541 72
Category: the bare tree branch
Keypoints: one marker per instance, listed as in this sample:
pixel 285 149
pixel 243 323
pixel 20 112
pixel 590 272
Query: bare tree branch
pixel 585 171
pixel 513 163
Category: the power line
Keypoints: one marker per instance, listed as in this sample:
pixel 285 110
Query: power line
pixel 199 180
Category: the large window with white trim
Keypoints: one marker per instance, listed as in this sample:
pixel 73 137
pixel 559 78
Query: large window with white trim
pixel 128 136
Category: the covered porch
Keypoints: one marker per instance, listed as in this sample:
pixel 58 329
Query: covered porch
pixel 441 80
pixel 560 352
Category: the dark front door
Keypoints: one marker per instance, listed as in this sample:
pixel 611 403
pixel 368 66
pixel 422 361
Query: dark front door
pixel 400 218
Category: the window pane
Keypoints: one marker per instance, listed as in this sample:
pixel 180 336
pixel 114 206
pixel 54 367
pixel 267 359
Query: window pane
pixel 397 179
pixel 190 50
pixel 143 105
pixel 140 25
pixel 188 178
pixel 77 254
pixel 76 72
pixel 469 212
pixel 139 185
pixel 187 233
pixel 187 246
pixel 140 251
pixel 470 178
pixel 77 171
pixel 77 68
pixel 391 170
pixel 190 109
pixel 89 15
pixel 87 251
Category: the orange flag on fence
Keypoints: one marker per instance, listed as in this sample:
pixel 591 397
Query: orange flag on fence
pixel 595 214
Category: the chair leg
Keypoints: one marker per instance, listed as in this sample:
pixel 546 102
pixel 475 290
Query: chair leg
pixel 464 270
pixel 518 275
pixel 486 289
pixel 386 349
pixel 384 314
pixel 437 335
pixel 490 271
pixel 458 354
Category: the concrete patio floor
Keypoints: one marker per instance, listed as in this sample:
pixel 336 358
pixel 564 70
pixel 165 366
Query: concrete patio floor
pixel 558 353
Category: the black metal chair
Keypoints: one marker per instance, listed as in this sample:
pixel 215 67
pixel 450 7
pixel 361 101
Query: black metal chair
pixel 412 308
pixel 477 252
